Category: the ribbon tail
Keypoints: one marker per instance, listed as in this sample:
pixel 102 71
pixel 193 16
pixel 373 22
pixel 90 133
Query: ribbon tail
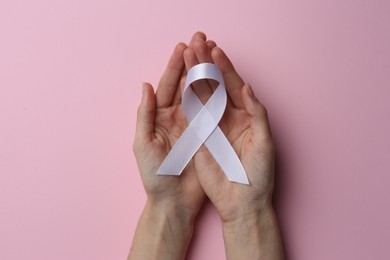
pixel 226 157
pixel 191 140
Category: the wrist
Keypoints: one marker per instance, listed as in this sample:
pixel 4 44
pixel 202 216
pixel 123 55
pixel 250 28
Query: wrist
pixel 240 210
pixel 253 236
pixel 180 217
pixel 163 232
pixel 170 223
pixel 246 219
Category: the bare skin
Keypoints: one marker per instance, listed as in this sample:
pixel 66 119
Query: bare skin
pixel 248 220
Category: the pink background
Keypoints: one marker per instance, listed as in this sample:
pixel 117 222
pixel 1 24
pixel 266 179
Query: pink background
pixel 70 81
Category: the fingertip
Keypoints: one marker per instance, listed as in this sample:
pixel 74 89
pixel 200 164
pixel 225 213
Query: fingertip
pixel 211 44
pixel 146 112
pixel 176 60
pixel 202 51
pixel 181 46
pixel 218 53
pixel 147 93
pixel 200 34
pixel 220 58
pixel 146 86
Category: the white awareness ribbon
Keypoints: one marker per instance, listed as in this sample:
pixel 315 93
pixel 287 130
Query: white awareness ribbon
pixel 203 128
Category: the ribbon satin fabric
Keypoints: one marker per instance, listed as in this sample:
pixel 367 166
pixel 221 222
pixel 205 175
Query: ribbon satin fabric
pixel 203 128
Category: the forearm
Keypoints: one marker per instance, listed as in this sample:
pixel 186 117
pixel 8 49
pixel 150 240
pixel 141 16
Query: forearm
pixel 162 233
pixel 254 237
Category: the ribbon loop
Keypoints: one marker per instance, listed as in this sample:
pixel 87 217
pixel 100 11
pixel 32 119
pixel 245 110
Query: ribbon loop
pixel 203 128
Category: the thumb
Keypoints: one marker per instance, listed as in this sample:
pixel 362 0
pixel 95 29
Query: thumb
pixel 257 115
pixel 146 113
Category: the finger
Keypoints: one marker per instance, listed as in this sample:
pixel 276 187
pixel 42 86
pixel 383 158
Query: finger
pixel 211 44
pixel 146 113
pixel 258 116
pixel 200 87
pixel 169 82
pixel 197 35
pixel 190 59
pixel 233 81
pixel 203 54
pixel 202 51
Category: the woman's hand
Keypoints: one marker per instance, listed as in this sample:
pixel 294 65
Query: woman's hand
pixel 250 227
pixel 246 126
pixel 160 122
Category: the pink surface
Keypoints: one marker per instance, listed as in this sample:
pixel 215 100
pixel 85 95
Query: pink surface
pixel 70 77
